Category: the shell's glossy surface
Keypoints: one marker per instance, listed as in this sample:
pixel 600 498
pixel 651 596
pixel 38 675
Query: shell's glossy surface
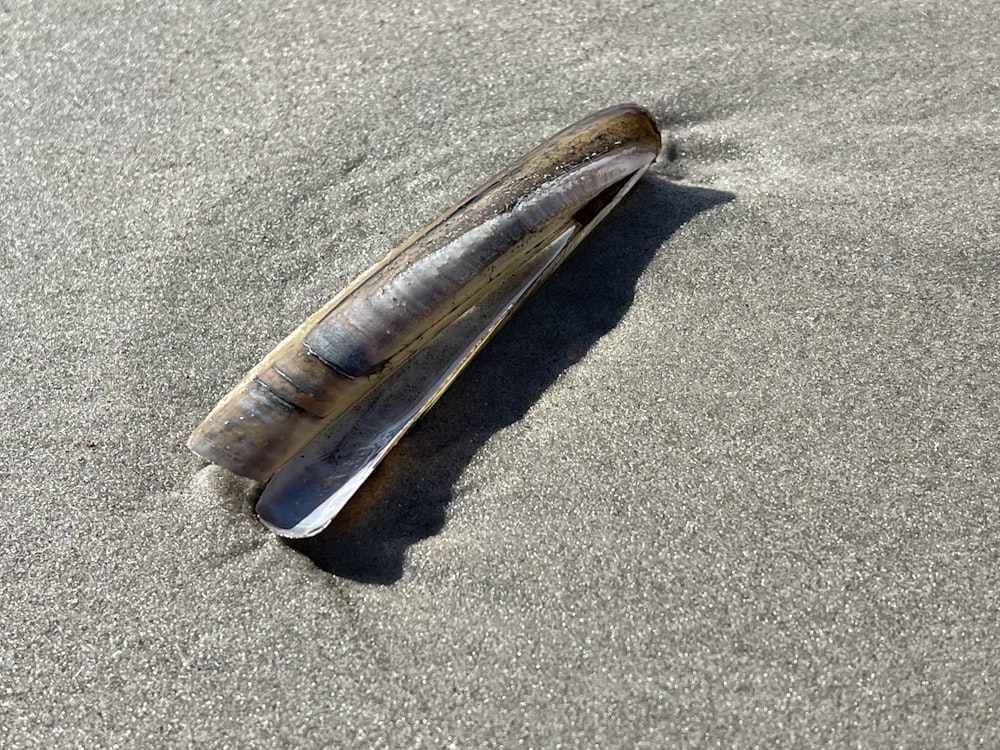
pixel 412 321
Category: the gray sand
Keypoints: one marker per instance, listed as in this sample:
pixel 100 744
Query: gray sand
pixel 730 479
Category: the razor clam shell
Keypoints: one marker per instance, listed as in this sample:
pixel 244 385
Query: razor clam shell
pixel 356 341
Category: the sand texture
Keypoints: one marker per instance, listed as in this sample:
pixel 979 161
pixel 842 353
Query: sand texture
pixel 730 479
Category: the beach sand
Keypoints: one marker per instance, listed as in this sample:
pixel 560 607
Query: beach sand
pixel 729 479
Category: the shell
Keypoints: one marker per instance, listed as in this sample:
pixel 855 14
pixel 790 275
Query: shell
pixel 368 363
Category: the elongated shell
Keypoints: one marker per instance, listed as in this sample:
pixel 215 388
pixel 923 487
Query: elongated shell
pixel 353 343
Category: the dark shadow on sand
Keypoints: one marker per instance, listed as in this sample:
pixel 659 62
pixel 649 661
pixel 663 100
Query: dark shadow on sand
pixel 406 498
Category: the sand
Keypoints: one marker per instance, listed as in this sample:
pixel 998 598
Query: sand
pixel 729 479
